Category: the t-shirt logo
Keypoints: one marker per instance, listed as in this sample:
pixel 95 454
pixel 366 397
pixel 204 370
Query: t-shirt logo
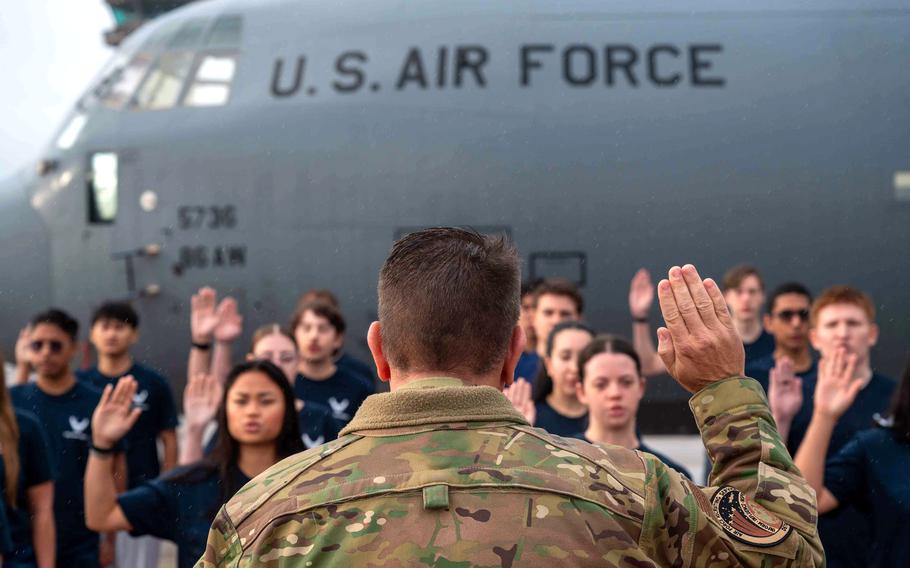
pixel 140 398
pixel 311 443
pixel 77 429
pixel 339 408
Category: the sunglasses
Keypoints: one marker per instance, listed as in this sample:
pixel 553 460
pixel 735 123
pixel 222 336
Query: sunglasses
pixel 54 345
pixel 788 315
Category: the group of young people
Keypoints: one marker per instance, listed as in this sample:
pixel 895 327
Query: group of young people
pixel 847 425
pixel 92 471
pixel 93 474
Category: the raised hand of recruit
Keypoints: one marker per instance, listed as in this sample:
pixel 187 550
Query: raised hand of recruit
pixel 201 398
pixel 519 394
pixel 203 316
pixel 836 388
pixel 229 321
pixel 641 294
pixel 699 344
pixel 785 391
pixel 115 414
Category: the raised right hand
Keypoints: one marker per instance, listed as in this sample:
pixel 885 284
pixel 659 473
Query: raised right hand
pixel 203 316
pixel 699 346
pixel 115 413
pixel 785 391
pixel 836 388
pixel 519 394
pixel 24 346
pixel 641 294
pixel 201 399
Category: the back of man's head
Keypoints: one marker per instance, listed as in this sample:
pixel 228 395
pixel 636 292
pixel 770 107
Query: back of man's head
pixel 448 301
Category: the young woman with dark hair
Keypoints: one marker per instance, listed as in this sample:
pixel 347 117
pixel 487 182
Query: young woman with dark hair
pixel 870 471
pixel 554 404
pixel 257 411
pixel 611 385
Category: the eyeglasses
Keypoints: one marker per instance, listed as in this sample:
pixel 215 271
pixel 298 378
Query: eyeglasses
pixel 788 315
pixel 54 345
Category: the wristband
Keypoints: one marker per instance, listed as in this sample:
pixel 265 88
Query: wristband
pixel 640 320
pixel 102 452
pixel 202 346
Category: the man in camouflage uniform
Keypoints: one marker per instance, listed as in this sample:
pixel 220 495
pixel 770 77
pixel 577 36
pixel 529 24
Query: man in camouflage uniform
pixel 443 472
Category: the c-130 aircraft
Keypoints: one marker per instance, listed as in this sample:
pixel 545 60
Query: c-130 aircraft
pixel 267 147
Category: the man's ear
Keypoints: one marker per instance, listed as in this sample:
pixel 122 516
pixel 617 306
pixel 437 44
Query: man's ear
pixel 813 339
pixel 516 348
pixel 374 340
pixel 873 334
pixel 766 322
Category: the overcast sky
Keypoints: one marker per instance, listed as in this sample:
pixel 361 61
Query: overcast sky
pixel 49 52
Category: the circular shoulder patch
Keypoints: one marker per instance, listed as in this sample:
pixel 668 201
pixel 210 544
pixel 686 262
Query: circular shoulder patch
pixel 747 521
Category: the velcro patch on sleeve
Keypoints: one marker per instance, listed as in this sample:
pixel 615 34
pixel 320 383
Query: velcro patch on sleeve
pixel 746 520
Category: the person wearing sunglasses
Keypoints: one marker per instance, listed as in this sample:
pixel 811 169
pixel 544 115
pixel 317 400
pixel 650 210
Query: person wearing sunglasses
pixel 842 320
pixel 64 406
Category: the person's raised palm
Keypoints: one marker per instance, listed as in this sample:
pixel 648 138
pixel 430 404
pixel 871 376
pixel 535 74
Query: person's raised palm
pixel 115 413
pixel 785 390
pixel 24 345
pixel 230 322
pixel 699 345
pixel 836 388
pixel 200 400
pixel 519 394
pixel 203 315
pixel 641 294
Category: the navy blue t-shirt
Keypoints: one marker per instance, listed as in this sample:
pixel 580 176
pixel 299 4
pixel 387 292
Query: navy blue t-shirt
pixel 67 419
pixel 528 366
pixel 841 529
pixel 761 347
pixel 555 423
pixel 159 413
pixel 34 469
pixel 353 365
pixel 870 473
pixel 342 393
pixel 178 506
pixel 648 450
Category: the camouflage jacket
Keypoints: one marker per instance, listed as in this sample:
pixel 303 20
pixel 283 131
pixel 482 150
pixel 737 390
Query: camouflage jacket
pixel 443 474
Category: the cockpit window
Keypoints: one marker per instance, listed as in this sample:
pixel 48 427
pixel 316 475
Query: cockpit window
pixel 163 86
pixel 103 181
pixel 212 83
pixel 189 35
pixel 126 79
pixel 225 32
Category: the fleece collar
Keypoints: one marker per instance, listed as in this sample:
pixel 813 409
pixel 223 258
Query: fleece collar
pixel 436 400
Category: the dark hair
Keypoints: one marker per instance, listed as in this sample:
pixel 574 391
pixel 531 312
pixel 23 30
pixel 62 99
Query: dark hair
pixel 116 311
pixel 560 287
pixel 787 288
pixel 734 277
pixel 606 344
pixel 543 384
pixel 319 295
pixel 222 460
pixel 900 407
pixel 530 287
pixel 59 318
pixel 323 310
pixel 9 441
pixel 449 300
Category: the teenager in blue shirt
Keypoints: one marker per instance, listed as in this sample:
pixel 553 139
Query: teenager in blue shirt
pixel 554 405
pixel 64 407
pixel 870 471
pixel 555 300
pixel 842 318
pixel 26 487
pixel 611 386
pixel 319 330
pixel 257 413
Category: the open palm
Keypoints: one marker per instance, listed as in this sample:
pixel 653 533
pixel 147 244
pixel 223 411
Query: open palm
pixel 115 414
pixel 836 388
